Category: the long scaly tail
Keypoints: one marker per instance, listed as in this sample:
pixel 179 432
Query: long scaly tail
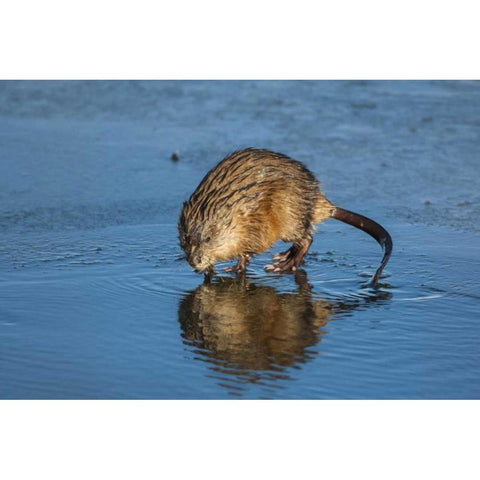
pixel 372 228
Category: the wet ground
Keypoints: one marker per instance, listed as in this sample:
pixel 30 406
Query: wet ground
pixel 96 300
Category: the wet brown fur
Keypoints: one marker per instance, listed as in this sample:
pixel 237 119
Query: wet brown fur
pixel 245 204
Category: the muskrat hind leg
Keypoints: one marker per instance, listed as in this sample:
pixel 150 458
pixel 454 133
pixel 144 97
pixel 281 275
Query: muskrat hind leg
pixel 243 261
pixel 291 259
pixel 282 258
pixel 279 257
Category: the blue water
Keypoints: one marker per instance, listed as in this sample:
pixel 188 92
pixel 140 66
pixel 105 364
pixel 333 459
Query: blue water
pixel 96 300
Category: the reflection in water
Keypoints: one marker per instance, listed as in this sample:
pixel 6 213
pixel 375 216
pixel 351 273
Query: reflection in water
pixel 251 333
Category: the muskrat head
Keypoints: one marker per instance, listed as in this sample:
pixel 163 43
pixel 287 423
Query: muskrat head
pixel 204 241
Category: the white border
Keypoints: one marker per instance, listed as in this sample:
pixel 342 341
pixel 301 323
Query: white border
pixel 258 39
pixel 239 439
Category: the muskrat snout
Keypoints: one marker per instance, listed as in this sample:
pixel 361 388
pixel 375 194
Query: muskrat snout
pixel 194 259
pixel 196 263
pixel 197 260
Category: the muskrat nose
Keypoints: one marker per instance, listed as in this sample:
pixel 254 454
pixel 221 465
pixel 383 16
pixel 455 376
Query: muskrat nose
pixel 194 259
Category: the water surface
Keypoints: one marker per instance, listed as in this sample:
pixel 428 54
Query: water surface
pixel 96 300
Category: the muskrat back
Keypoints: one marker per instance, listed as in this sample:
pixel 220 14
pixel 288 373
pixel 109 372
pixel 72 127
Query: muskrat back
pixel 250 200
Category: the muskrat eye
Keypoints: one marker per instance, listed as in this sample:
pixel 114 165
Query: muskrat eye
pixel 207 239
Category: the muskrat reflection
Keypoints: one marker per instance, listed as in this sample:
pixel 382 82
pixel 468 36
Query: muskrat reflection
pixel 252 326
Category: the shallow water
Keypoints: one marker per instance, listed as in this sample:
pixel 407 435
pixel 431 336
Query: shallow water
pixel 96 300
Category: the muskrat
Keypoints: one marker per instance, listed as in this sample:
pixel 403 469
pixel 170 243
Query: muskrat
pixel 253 198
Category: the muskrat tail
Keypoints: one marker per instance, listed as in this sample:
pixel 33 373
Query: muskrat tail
pixel 372 228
